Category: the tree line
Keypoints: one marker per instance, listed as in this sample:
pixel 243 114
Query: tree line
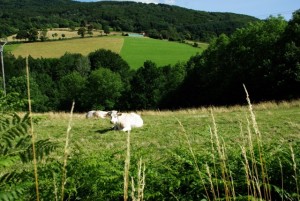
pixel 263 56
pixel 157 21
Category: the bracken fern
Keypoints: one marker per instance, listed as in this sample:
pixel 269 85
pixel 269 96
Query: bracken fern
pixel 16 148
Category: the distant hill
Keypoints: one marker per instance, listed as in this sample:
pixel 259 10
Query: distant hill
pixel 156 20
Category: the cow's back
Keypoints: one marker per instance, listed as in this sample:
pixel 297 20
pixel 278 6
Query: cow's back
pixel 137 120
pixel 131 120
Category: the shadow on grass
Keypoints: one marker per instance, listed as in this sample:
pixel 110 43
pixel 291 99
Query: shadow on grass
pixel 103 131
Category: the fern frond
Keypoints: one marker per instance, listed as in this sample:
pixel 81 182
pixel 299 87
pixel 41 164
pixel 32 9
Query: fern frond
pixel 16 119
pixel 7 161
pixel 7 177
pixel 18 130
pixel 11 194
pixel 43 148
pixel 26 118
pixel 13 128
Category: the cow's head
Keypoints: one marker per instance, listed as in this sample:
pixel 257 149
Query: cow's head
pixel 114 116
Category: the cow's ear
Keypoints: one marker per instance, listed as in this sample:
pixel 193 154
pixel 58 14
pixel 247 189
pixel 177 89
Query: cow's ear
pixel 119 113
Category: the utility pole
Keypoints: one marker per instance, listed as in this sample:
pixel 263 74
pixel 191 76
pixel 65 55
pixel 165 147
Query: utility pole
pixel 2 43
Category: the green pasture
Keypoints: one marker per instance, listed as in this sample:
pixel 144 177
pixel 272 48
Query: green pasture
pixel 138 50
pixel 55 49
pixel 278 123
pixel 171 143
pixel 132 49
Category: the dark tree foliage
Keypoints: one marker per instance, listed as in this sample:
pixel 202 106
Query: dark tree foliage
pixel 157 20
pixel 147 85
pixel 287 71
pixel 264 56
pixel 72 62
pixel 103 90
pixel 107 59
pixel 71 88
pixel 81 31
pixel 38 99
pixel 173 77
pixel 260 56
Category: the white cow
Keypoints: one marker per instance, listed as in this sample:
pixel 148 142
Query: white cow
pixel 90 114
pixel 96 114
pixel 125 121
pixel 99 113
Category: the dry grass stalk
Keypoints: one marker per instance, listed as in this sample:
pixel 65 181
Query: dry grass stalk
pixel 126 168
pixel 140 183
pixel 253 170
pixel 249 177
pixel 211 182
pixel 132 189
pixel 32 134
pixel 295 171
pixel 214 161
pixel 266 189
pixel 281 171
pixel 232 186
pixel 194 158
pixel 66 154
pixel 55 187
pixel 222 157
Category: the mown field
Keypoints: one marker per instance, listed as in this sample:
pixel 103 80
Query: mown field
pixel 55 49
pixel 137 50
pixel 188 154
pixel 132 49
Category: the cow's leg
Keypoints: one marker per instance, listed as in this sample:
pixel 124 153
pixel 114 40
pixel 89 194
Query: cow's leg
pixel 127 128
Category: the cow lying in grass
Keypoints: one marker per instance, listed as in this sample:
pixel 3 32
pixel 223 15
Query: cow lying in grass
pixel 100 114
pixel 90 114
pixel 96 114
pixel 125 121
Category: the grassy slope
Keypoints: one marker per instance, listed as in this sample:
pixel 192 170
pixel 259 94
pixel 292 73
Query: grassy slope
pixel 137 50
pixel 134 50
pixel 162 132
pixel 163 147
pixel 54 49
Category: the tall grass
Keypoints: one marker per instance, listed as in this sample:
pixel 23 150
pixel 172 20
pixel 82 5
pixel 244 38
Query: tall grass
pixel 216 175
pixel 126 167
pixel 141 178
pixel 66 154
pixel 221 153
pixel 32 134
pixel 255 167
pixel 264 174
pixel 194 158
pixel 295 171
pixel 33 139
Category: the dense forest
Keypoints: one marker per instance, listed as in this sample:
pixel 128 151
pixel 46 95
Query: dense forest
pixel 264 56
pixel 156 20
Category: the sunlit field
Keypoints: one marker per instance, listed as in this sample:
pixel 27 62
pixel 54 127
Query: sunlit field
pixel 137 50
pixel 188 153
pixel 132 49
pixel 55 49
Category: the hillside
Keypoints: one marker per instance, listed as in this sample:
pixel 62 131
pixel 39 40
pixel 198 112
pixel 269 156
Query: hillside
pixel 135 51
pixel 157 20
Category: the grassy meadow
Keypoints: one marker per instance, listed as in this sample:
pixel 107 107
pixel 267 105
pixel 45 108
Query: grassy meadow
pixel 55 49
pixel 134 50
pixel 137 50
pixel 202 153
